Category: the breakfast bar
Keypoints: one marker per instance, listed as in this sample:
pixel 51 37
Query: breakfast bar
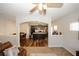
pixel 39 35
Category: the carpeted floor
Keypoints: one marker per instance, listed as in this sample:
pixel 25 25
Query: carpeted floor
pixel 45 51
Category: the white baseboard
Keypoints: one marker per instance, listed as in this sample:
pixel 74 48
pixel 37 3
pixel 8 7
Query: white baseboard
pixel 71 51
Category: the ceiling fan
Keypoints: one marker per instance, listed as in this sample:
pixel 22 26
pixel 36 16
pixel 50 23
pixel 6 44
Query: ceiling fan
pixel 42 7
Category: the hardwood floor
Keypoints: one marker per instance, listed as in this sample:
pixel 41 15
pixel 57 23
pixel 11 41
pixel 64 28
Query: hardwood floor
pixel 34 43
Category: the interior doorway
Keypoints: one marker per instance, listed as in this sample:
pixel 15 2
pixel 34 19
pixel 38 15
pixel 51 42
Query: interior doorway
pixel 34 34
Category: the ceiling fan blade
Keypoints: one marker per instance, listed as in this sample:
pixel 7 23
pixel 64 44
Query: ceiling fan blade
pixel 34 9
pixel 54 5
pixel 42 12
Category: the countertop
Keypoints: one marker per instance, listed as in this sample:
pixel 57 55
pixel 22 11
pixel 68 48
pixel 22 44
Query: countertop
pixel 40 33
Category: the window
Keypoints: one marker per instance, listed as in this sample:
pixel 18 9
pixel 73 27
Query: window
pixel 74 26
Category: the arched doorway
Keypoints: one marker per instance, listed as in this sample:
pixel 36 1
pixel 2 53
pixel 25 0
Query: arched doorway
pixel 34 34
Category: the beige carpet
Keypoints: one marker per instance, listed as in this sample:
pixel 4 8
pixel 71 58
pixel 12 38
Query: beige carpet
pixel 45 51
pixel 42 54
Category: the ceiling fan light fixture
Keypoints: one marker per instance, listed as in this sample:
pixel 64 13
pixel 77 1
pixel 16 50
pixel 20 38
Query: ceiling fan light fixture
pixel 42 12
pixel 42 9
pixel 44 6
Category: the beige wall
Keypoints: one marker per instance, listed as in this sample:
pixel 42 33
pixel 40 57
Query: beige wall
pixel 25 27
pixel 7 28
pixel 11 27
pixel 2 26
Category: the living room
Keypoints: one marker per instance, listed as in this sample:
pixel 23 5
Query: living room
pixel 58 19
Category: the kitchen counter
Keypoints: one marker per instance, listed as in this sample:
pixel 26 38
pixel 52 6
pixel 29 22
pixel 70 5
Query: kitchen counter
pixel 40 33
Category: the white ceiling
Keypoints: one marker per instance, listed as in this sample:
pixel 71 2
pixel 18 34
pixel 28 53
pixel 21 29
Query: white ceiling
pixel 15 9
